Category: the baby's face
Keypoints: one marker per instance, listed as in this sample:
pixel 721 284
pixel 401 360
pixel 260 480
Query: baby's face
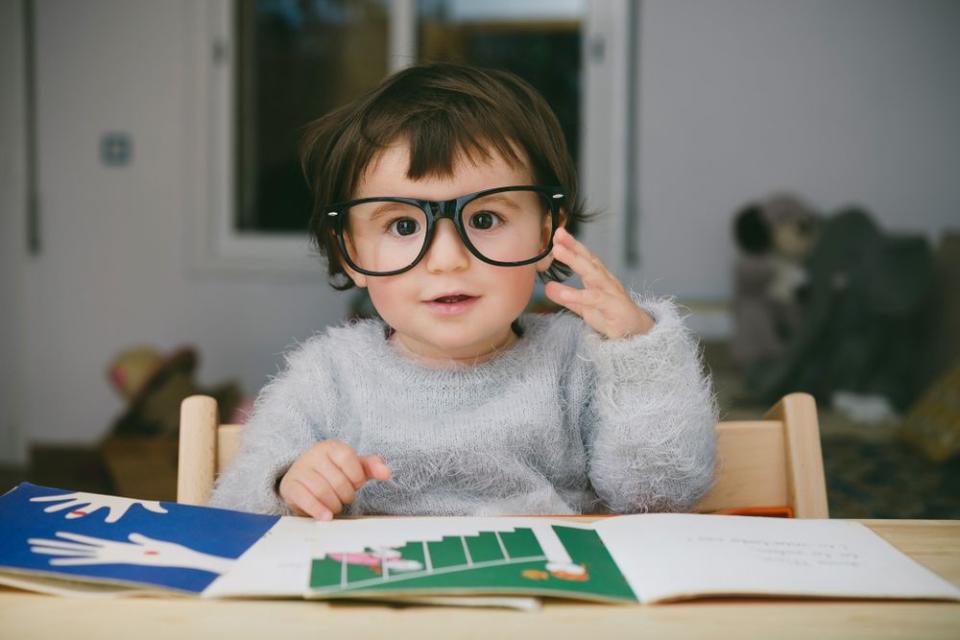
pixel 426 305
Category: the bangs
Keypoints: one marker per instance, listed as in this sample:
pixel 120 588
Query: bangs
pixel 437 139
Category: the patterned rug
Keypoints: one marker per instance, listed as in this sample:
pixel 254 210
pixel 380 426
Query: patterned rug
pixel 870 472
pixel 887 480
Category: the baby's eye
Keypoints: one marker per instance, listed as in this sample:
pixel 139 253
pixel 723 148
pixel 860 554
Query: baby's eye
pixel 485 220
pixel 404 226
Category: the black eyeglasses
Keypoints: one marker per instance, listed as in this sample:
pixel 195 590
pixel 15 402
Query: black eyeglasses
pixel 506 227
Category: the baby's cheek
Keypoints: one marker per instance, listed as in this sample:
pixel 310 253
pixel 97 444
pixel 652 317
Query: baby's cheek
pixel 390 298
pixel 514 286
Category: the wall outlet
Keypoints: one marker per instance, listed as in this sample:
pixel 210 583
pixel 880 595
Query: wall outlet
pixel 116 149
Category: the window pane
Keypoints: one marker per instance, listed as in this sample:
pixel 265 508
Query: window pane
pixel 539 40
pixel 297 59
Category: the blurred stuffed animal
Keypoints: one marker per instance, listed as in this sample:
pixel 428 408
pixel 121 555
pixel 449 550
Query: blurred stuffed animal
pixel 774 237
pixel 154 385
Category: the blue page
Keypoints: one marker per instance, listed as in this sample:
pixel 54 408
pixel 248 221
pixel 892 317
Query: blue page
pixel 87 535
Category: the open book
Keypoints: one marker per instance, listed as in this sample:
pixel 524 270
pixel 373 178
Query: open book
pixel 65 542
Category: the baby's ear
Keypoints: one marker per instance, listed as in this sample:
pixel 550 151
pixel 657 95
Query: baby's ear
pixel 359 279
pixel 544 263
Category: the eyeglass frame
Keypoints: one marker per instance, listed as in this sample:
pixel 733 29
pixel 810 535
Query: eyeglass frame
pixel 436 210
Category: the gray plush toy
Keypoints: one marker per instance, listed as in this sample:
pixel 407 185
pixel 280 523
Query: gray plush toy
pixel 774 237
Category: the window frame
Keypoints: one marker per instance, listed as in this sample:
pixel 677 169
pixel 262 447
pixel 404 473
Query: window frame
pixel 209 172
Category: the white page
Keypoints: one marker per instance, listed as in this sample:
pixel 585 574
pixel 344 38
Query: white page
pixel 277 565
pixel 665 556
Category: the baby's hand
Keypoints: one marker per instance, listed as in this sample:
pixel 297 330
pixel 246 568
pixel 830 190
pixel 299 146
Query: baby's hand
pixel 603 303
pixel 327 477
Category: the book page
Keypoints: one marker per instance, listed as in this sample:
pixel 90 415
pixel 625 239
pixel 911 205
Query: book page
pixel 462 555
pixel 80 536
pixel 676 556
pixel 61 587
pixel 277 565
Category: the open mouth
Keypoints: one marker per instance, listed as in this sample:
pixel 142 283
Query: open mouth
pixel 452 304
pixel 452 299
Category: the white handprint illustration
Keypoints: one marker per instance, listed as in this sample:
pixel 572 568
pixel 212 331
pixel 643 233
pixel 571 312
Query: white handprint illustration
pixel 91 502
pixel 141 550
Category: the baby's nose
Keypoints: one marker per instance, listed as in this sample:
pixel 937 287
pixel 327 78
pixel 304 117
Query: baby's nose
pixel 447 251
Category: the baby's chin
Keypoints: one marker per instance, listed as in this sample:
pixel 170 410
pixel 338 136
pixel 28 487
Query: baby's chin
pixel 452 345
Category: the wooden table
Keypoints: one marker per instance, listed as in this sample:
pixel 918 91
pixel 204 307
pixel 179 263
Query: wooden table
pixel 934 543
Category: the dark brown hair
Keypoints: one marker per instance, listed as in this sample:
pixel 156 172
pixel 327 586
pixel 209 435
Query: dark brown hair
pixel 441 111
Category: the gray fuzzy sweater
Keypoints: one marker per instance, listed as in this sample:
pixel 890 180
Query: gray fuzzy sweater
pixel 564 421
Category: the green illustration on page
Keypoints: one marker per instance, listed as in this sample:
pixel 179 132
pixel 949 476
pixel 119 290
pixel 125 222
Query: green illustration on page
pixel 536 560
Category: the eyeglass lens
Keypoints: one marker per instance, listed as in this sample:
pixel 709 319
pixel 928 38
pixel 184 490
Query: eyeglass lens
pixel 507 226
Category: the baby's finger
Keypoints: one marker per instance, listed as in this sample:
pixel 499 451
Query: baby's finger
pixel 568 240
pixel 304 500
pixel 588 260
pixel 324 492
pixel 341 484
pixel 557 293
pixel 580 297
pixel 348 462
pixel 375 467
pixel 590 270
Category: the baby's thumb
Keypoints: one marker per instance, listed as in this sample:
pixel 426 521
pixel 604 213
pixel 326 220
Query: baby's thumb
pixel 375 467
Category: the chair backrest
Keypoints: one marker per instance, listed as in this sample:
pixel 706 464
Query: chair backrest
pixel 206 448
pixel 767 466
pixel 770 465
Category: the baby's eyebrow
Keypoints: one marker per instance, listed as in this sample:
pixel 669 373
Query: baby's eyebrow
pixel 386 207
pixel 495 198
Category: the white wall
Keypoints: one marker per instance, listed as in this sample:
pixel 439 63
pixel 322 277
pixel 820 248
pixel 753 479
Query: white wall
pixel 115 265
pixel 841 100
pixel 12 228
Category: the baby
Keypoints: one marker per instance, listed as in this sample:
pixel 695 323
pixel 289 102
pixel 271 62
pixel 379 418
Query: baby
pixel 446 192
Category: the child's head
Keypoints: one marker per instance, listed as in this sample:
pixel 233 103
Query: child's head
pixel 439 132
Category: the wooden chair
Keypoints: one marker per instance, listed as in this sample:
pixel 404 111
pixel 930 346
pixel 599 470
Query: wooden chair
pixel 772 466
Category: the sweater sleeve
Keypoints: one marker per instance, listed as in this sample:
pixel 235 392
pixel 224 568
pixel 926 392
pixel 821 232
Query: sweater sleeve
pixel 287 418
pixel 649 423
